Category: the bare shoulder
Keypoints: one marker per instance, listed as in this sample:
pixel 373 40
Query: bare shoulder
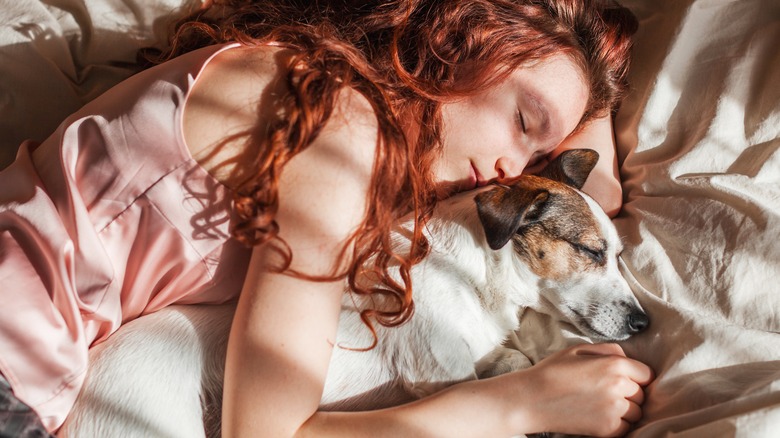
pixel 232 94
pixel 326 185
pixel 237 91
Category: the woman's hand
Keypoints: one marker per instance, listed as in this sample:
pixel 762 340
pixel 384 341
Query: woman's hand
pixel 586 389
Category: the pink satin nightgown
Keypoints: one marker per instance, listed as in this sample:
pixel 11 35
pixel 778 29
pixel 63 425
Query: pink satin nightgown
pixel 108 219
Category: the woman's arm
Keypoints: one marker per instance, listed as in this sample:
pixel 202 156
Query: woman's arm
pixel 285 327
pixel 583 390
pixel 603 184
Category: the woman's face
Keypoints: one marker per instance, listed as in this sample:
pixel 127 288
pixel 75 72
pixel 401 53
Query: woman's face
pixel 497 134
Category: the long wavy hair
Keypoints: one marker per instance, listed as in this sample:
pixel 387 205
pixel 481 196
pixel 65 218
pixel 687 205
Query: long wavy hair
pixel 407 57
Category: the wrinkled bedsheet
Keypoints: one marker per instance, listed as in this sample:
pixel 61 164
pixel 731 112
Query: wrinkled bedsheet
pixel 699 152
pixel 57 55
pixel 699 142
pixel 698 147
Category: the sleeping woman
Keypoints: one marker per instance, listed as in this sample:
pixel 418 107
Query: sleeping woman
pixel 265 160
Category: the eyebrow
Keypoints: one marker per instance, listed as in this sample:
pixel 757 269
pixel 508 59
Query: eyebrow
pixel 541 113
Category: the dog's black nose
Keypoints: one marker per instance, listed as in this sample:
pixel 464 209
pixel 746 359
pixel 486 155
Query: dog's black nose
pixel 637 322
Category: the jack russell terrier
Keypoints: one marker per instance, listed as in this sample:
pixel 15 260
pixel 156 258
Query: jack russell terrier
pixel 537 243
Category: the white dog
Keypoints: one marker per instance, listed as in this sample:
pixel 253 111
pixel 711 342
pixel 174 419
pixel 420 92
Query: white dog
pixel 538 243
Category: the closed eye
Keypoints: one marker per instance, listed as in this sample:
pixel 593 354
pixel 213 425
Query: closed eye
pixel 597 255
pixel 521 120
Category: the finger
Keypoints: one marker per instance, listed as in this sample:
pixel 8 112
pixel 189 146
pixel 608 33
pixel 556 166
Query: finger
pixel 637 395
pixel 633 413
pixel 630 390
pixel 639 372
pixel 630 368
pixel 623 429
pixel 600 349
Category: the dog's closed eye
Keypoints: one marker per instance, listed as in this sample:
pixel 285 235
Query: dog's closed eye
pixel 598 255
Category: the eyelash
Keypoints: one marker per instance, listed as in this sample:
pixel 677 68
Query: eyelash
pixel 520 120
pixel 597 255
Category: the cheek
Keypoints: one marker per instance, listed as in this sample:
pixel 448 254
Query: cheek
pixel 478 129
pixel 453 134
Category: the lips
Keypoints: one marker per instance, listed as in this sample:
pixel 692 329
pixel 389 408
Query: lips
pixel 476 178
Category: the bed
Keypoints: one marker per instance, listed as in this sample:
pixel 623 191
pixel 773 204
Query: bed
pixel 699 154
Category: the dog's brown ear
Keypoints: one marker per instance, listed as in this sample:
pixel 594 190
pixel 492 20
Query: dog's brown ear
pixel 503 210
pixel 571 167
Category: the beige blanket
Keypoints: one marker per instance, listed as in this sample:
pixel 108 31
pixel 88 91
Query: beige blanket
pixel 699 151
pixel 698 145
pixel 699 142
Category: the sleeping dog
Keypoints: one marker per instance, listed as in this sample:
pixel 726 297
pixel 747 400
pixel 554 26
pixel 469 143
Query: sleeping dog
pixel 537 243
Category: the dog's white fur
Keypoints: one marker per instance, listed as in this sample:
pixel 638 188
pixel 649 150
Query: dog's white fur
pixel 156 374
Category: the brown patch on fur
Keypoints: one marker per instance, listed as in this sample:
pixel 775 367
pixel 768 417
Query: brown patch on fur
pixel 566 236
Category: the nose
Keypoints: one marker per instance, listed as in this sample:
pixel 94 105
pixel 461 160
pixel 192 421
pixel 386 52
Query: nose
pixel 508 168
pixel 637 322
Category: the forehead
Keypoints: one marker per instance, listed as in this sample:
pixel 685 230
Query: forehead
pixel 555 246
pixel 569 215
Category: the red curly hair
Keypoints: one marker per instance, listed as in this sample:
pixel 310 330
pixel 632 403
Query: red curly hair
pixel 407 57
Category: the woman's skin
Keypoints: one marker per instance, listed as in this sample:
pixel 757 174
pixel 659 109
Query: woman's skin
pixel 603 183
pixel 282 335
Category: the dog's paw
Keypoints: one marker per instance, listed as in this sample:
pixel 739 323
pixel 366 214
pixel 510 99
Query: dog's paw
pixel 502 361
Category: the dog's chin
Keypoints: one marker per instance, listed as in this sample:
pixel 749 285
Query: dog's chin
pixel 584 325
pixel 598 334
